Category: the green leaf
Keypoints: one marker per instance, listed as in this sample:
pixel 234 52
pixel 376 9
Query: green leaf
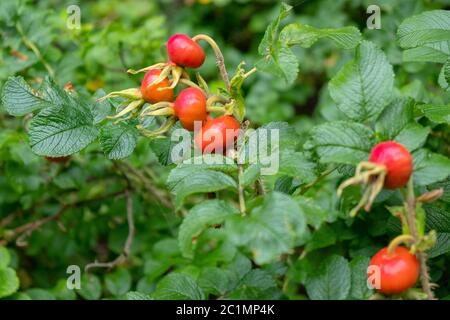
pixel 364 86
pixel 444 76
pixel 315 215
pixel 162 147
pixel 277 59
pixel 61 131
pixel 424 54
pixel 91 287
pixel 359 289
pixel 198 219
pixel 215 280
pixel 40 294
pixel 118 282
pixel 134 295
pixel 322 238
pixel 5 257
pixel 236 92
pixel 118 141
pixel 306 36
pixel 271 229
pixel 9 282
pixel 264 144
pixel 18 98
pixel 282 63
pixel 271 35
pixel 397 123
pixel 438 219
pixel 429 167
pixel 194 165
pixel 297 165
pixel 341 142
pixel 257 284
pixel 178 286
pixel 251 174
pixel 427 27
pixel 190 180
pixel 332 281
pixel 436 113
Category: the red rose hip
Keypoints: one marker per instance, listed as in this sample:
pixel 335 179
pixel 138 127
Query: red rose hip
pixel 397 160
pixel 190 106
pixel 218 135
pixel 150 92
pixel 184 51
pixel 398 271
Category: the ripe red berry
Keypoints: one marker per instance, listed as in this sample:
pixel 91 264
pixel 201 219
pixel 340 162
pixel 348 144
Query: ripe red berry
pixel 150 92
pixel 190 106
pixel 57 159
pixel 397 272
pixel 397 160
pixel 218 135
pixel 184 51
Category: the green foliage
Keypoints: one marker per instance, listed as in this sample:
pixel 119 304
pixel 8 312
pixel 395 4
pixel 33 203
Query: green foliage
pixel 214 226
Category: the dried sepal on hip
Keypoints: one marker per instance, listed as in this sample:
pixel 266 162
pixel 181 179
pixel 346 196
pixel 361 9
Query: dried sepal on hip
pixel 371 176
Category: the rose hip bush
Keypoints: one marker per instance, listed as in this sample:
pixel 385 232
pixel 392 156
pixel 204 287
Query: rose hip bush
pixel 158 188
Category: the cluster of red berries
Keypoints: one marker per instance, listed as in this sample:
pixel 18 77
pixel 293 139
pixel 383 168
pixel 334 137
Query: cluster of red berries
pixel 389 166
pixel 191 105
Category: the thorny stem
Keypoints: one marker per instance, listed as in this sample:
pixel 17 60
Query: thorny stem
pixel 219 58
pixel 410 206
pixel 35 50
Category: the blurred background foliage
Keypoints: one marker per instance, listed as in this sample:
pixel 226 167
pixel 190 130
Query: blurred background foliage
pixel 116 35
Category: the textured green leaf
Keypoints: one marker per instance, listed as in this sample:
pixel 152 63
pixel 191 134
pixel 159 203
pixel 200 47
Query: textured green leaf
pixel 332 281
pixel 364 86
pixel 214 280
pixel 297 165
pixel 118 282
pixel 178 286
pixel 436 113
pixel 341 142
pixel 91 287
pixel 271 34
pixel 438 219
pixel 306 36
pixel 9 282
pixel 18 98
pixel 359 289
pixel 40 294
pixel 134 295
pixel 430 167
pixel 397 123
pixel 324 237
pixel 424 54
pixel 282 63
pixel 198 219
pixel 315 215
pixel 203 181
pixel 61 131
pixel 444 76
pixel 5 257
pixel 257 284
pixel 118 141
pixel 263 145
pixel 427 27
pixel 271 229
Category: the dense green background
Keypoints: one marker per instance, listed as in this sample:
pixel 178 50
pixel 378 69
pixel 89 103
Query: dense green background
pixel 116 35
